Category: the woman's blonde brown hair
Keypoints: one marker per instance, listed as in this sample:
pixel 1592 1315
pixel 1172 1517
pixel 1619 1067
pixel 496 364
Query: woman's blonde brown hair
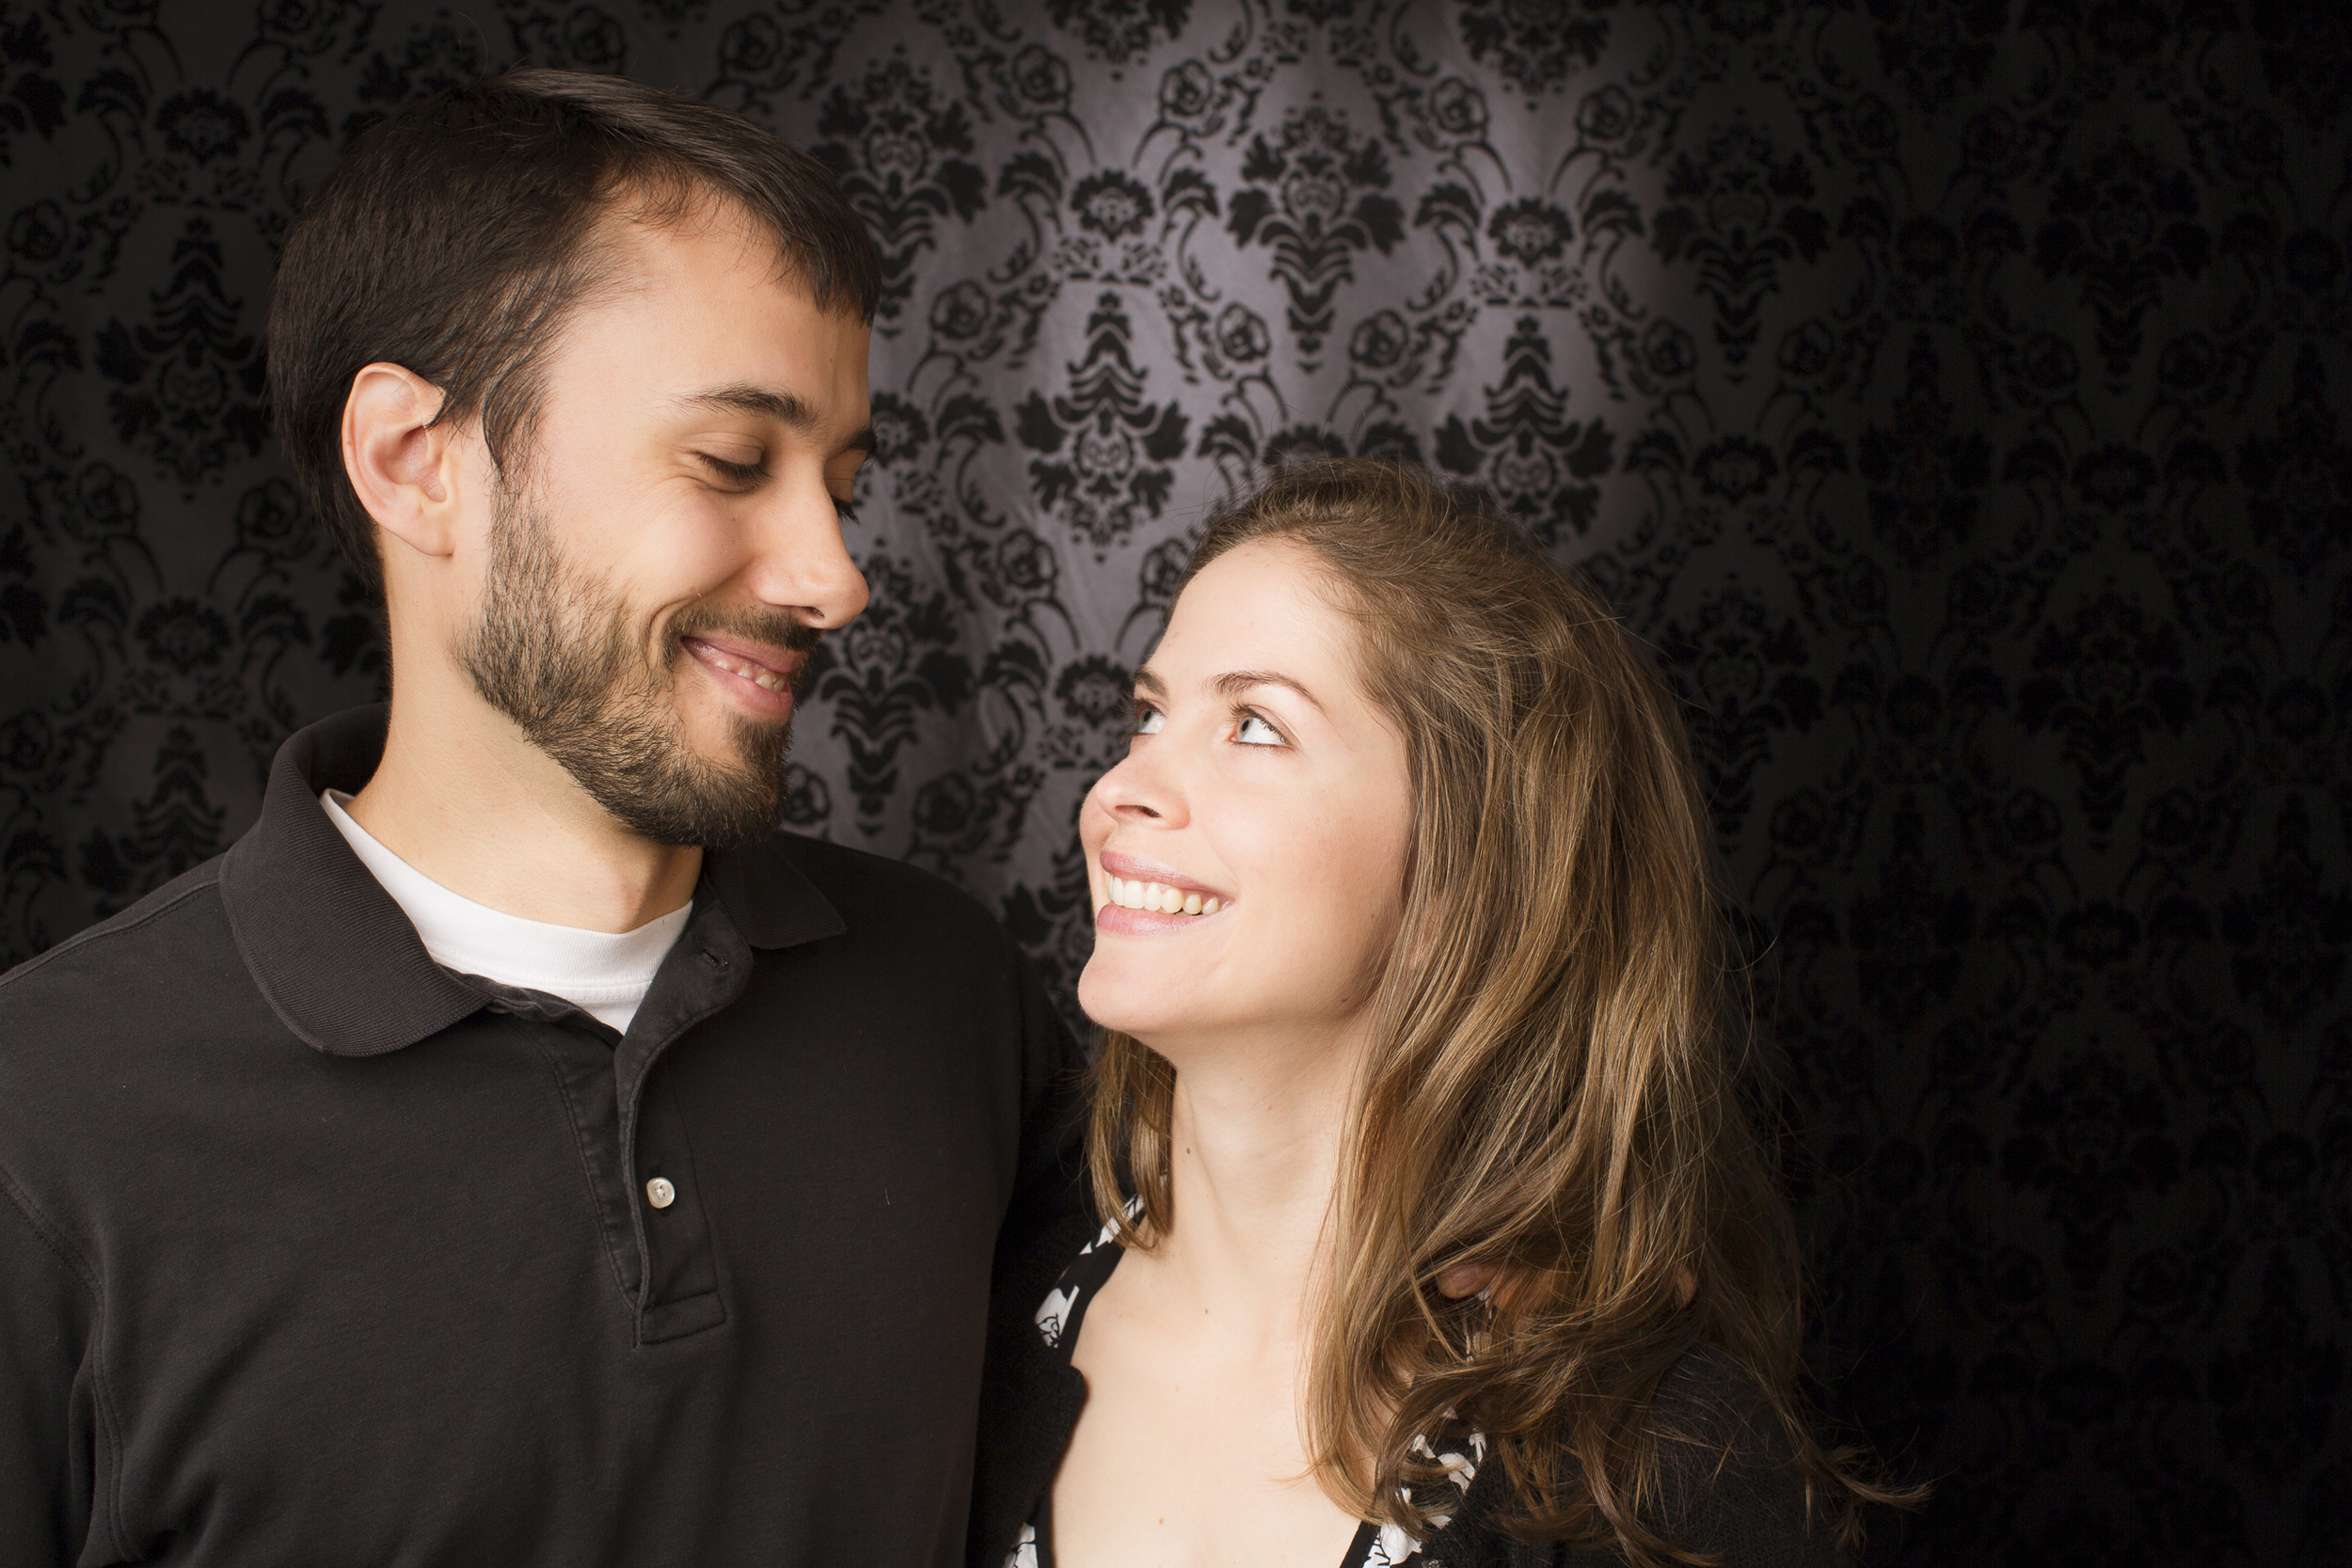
pixel 1551 1085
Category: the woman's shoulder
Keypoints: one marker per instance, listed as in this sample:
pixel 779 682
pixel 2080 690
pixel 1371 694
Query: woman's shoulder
pixel 1709 1404
pixel 1729 1482
pixel 1088 1267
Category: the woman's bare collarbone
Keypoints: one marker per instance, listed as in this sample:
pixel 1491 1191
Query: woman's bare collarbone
pixel 1188 1454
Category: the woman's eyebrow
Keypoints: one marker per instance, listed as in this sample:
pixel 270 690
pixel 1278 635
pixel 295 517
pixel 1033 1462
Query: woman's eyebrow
pixel 1230 686
pixel 1233 683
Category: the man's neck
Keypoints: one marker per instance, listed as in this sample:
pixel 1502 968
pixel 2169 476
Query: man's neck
pixel 470 803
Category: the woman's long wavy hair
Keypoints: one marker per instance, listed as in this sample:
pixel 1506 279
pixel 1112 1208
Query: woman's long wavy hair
pixel 1550 1085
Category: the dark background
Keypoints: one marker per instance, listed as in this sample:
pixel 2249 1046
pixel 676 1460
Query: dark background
pixel 1955 395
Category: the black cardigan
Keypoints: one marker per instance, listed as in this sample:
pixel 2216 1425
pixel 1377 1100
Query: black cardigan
pixel 1732 1488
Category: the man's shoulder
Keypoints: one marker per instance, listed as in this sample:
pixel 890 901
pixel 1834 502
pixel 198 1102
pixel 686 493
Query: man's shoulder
pixel 878 896
pixel 141 946
pixel 123 1003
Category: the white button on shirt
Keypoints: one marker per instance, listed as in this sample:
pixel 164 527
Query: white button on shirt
pixel 659 1193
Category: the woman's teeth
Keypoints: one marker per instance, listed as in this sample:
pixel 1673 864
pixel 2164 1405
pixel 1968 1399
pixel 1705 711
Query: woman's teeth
pixel 1155 897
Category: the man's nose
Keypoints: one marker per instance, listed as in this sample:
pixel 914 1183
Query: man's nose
pixel 801 562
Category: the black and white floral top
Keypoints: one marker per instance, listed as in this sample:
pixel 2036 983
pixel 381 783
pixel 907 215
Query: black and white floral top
pixel 1059 1317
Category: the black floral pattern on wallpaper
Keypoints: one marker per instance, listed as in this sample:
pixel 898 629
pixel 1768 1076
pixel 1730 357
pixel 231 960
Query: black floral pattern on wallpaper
pixel 1958 396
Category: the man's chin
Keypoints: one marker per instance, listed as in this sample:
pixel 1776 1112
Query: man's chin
pixel 696 815
pixel 721 734
pixel 684 796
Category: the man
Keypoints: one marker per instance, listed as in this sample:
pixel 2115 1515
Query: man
pixel 510 1152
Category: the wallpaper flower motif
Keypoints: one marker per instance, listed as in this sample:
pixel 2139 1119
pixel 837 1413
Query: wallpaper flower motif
pixel 1955 395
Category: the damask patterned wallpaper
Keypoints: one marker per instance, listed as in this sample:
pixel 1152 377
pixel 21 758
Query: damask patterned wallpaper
pixel 1953 394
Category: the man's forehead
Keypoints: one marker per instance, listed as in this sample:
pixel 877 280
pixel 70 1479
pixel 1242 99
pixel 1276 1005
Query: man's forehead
pixel 729 326
pixel 648 238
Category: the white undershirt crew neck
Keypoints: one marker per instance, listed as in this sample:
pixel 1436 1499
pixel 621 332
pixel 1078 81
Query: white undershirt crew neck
pixel 603 974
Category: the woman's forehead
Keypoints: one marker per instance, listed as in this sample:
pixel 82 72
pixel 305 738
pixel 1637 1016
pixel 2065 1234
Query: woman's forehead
pixel 1267 598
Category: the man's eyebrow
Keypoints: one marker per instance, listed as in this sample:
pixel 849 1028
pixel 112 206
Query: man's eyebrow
pixel 1233 683
pixel 792 412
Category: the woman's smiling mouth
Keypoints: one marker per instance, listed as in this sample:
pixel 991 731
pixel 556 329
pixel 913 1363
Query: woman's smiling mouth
pixel 1159 897
pixel 1142 895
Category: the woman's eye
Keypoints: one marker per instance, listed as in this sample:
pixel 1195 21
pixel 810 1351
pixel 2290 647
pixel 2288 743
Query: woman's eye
pixel 1150 721
pixel 1255 731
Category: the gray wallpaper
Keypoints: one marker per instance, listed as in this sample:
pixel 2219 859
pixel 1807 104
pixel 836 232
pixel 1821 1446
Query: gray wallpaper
pixel 1953 394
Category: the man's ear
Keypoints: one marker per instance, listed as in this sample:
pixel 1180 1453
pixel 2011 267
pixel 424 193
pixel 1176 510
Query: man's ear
pixel 400 462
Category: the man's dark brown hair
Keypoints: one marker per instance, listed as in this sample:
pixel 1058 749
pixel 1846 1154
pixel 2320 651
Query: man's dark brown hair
pixel 454 239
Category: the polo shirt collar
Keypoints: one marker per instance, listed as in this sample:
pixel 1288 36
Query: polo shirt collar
pixel 338 959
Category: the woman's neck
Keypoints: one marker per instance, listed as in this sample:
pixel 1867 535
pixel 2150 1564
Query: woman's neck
pixel 1254 1153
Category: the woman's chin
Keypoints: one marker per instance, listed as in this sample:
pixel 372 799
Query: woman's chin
pixel 1141 1005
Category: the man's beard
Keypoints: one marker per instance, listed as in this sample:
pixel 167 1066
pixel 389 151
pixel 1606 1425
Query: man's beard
pixel 552 650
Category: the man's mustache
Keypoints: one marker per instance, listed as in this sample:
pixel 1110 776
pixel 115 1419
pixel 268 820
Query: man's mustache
pixel 771 627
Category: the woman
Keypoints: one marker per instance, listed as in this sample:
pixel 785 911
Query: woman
pixel 1407 964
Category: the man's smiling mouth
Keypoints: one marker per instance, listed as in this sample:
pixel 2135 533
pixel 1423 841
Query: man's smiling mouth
pixel 764 677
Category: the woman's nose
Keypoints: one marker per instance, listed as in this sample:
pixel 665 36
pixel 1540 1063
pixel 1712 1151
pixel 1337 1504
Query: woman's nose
pixel 1141 789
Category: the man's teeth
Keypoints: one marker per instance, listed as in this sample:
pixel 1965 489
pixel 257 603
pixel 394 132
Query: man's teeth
pixel 758 674
pixel 1158 898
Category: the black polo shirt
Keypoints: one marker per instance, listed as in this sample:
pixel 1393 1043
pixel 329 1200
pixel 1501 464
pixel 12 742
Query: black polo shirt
pixel 314 1252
